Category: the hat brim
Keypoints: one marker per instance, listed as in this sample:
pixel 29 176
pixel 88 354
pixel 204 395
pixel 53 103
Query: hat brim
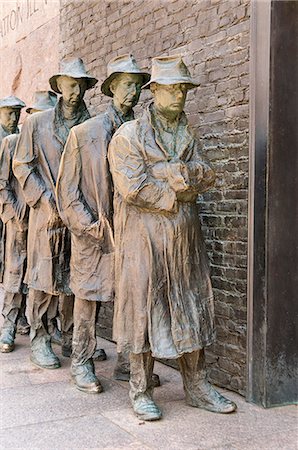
pixel 89 80
pixel 191 84
pixel 105 87
pixel 12 106
pixel 39 108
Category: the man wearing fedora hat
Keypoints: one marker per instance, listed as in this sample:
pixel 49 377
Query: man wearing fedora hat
pixel 164 296
pixel 36 163
pixel 14 225
pixel 44 100
pixel 84 197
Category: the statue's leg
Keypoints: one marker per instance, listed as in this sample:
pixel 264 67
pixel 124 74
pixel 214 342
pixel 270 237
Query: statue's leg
pixel 83 347
pixel 122 369
pixel 66 305
pixel 42 354
pixel 10 312
pixel 141 387
pixel 23 326
pixel 99 354
pixel 52 315
pixel 198 390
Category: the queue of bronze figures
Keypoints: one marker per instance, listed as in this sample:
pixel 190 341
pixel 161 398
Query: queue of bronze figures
pixel 105 209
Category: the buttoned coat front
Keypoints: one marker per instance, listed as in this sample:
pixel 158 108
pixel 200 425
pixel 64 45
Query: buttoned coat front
pixel 164 299
pixel 85 200
pixel 14 215
pixel 35 165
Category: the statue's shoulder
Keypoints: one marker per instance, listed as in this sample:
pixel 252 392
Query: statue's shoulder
pixel 41 117
pixel 91 128
pixel 128 128
pixel 11 140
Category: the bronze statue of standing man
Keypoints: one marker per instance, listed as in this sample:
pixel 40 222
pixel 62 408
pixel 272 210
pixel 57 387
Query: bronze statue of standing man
pixel 85 201
pixel 164 300
pixel 36 163
pixel 14 217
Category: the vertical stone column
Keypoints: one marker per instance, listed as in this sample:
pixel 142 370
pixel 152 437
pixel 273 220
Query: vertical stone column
pixel 273 205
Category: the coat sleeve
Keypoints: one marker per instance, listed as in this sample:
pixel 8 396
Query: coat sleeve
pixel 132 179
pixel 72 206
pixel 10 206
pixel 201 176
pixel 25 165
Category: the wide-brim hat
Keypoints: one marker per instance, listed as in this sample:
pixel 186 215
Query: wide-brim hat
pixel 118 65
pixel 11 102
pixel 74 68
pixel 170 70
pixel 43 100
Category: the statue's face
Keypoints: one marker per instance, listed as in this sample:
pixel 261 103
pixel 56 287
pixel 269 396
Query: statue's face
pixel 126 89
pixel 72 89
pixel 9 118
pixel 169 99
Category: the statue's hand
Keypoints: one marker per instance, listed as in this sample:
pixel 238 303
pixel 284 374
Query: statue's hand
pixel 187 196
pixel 178 176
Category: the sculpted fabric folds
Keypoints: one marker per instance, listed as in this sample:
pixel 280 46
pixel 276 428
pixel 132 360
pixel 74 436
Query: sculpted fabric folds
pixel 14 214
pixel 164 299
pixel 84 199
pixel 36 165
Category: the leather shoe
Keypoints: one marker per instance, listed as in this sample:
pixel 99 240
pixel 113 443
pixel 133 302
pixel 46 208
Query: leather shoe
pixel 99 355
pixel 84 377
pixel 145 408
pixel 42 354
pixel 206 397
pixel 23 326
pixel 7 340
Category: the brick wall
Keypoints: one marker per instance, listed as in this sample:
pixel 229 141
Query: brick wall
pixel 213 37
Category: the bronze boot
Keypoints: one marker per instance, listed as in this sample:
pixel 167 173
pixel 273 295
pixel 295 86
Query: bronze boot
pixel 66 345
pixel 42 354
pixel 122 370
pixel 23 326
pixel 99 355
pixel 198 391
pixel 7 338
pixel 141 387
pixel 83 375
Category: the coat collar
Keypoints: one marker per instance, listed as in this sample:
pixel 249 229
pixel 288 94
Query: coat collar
pixel 184 140
pixel 116 117
pixel 61 130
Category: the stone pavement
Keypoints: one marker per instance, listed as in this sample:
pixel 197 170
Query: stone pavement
pixel 41 409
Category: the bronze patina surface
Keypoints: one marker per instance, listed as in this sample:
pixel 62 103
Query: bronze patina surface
pixel 36 165
pixel 85 202
pixel 164 300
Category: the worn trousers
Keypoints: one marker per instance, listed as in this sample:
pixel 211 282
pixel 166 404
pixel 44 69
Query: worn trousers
pixel 191 365
pixel 84 332
pixel 39 305
pixel 11 308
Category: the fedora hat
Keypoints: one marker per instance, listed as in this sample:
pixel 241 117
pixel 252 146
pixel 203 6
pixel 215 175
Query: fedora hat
pixel 74 68
pixel 11 102
pixel 43 100
pixel 170 70
pixel 118 65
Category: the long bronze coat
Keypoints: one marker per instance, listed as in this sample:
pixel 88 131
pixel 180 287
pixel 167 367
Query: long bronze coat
pixel 164 300
pixel 3 134
pixel 36 164
pixel 14 215
pixel 85 201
